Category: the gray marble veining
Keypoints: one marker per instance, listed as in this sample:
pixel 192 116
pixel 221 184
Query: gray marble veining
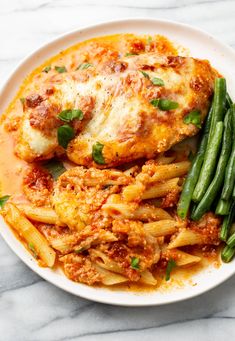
pixel 32 309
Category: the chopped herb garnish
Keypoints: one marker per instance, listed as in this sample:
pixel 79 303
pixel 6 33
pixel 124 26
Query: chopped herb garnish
pixel 60 69
pixel 55 168
pixel 170 266
pixel 65 134
pixel 157 81
pixel 149 40
pixel 135 263
pixel 47 69
pixel 130 54
pixel 97 155
pixel 155 102
pixel 164 104
pixel 70 114
pixel 32 248
pixel 3 200
pixel 84 66
pixel 194 117
pixel 22 99
pixel 145 74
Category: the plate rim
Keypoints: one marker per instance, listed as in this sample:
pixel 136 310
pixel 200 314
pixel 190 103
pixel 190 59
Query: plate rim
pixel 7 236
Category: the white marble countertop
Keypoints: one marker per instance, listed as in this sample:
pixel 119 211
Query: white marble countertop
pixel 32 309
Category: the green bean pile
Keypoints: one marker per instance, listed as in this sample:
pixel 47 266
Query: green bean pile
pixel 211 180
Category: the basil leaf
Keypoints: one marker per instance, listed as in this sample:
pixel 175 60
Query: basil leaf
pixel 65 134
pixel 70 114
pixel 97 155
pixel 170 266
pixel 60 69
pixel 164 104
pixel 47 69
pixel 55 168
pixel 145 74
pixel 3 200
pixel 84 66
pixel 130 54
pixel 32 248
pixel 135 263
pixel 155 102
pixel 157 81
pixel 194 117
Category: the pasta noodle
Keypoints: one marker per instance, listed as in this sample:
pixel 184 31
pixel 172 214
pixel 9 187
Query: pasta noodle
pixel 161 228
pixel 186 237
pixel 161 189
pixel 30 234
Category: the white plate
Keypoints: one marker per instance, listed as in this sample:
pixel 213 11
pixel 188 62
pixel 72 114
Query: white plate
pixel 201 45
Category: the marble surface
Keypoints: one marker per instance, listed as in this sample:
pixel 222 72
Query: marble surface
pixel 32 309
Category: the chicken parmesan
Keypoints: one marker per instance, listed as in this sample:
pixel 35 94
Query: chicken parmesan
pixel 113 104
pixel 101 139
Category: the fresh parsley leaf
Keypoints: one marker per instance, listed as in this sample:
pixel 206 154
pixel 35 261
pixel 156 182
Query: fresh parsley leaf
pixel 32 248
pixel 84 66
pixel 145 74
pixel 65 134
pixel 157 81
pixel 130 54
pixel 97 155
pixel 55 168
pixel 135 263
pixel 60 69
pixel 194 117
pixel 47 69
pixel 70 114
pixel 3 200
pixel 164 104
pixel 170 266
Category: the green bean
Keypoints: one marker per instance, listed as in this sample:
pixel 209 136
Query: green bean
pixel 193 174
pixel 209 163
pixel 226 226
pixel 229 101
pixel 219 106
pixel 231 240
pixel 230 169
pixel 217 182
pixel 223 207
pixel 227 254
pixel 234 192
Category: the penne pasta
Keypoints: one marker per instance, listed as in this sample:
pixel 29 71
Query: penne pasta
pixel 161 228
pixel 147 278
pixel 161 189
pixel 164 160
pixel 183 258
pixel 164 172
pixel 142 212
pixel 133 192
pixel 108 277
pixel 104 261
pixel 186 237
pixel 35 240
pixel 41 214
